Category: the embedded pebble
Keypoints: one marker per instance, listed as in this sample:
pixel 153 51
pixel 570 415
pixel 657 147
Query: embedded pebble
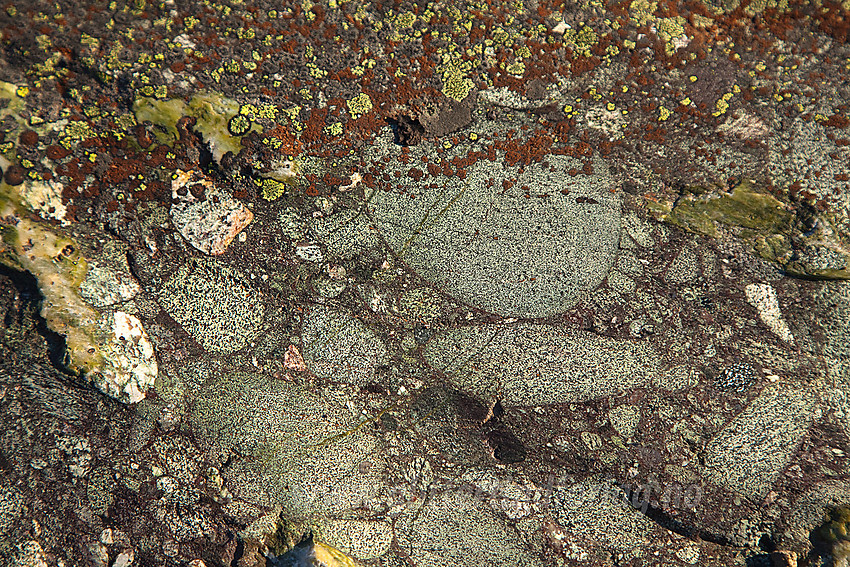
pixel 209 224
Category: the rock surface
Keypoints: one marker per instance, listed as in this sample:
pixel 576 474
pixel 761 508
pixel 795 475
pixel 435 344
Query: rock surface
pixel 450 284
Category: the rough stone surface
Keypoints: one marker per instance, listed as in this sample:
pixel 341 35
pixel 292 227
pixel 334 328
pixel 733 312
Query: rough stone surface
pixel 538 364
pixel 525 283
pixel 211 222
pixel 305 447
pixel 748 455
pixel 340 348
pixel 491 246
pixel 456 530
pixel 218 310
pixel 600 511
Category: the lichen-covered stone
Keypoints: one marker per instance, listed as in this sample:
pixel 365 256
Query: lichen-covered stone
pixel 110 348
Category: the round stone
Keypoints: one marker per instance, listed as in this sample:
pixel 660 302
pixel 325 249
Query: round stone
pixel 515 241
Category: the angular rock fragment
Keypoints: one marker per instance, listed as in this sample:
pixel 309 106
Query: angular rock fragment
pixel 212 219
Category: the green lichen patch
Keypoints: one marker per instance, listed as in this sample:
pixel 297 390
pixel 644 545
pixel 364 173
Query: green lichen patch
pixel 800 242
pixel 217 119
pixel 60 268
pixel 833 536
pixel 213 113
pixel 163 113
pixel 745 207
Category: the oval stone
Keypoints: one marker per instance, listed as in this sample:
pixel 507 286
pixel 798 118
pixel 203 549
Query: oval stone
pixel 521 242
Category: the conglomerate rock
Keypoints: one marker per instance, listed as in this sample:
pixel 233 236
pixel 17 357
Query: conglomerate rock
pixel 425 283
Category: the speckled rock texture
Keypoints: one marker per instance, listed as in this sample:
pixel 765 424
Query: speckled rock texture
pixel 406 284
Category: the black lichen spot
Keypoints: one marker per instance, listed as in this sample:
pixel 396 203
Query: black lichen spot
pixel 735 377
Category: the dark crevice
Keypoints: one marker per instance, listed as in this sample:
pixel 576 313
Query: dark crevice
pixel 238 553
pixel 27 287
pixel 407 131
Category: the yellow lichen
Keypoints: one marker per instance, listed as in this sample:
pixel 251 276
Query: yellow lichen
pixel 359 105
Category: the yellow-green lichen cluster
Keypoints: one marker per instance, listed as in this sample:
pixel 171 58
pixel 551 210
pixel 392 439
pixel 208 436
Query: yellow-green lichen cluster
pixel 767 225
pixel 359 105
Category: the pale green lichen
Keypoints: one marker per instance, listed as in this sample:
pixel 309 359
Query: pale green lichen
pixel 110 348
pixel 767 225
pixel 60 268
pixel 164 113
pixel 214 116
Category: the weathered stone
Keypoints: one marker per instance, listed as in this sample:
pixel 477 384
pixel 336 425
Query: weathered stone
pixel 484 242
pixel 528 364
pixel 750 453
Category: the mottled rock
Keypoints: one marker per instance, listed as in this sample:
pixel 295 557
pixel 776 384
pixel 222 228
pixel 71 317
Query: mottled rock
pixel 598 512
pixel 361 539
pixel 213 305
pixel 763 298
pixel 454 529
pixel 306 449
pixel 211 221
pixel 528 364
pixel 339 347
pixel 483 241
pixel 346 233
pixel 130 368
pixel 750 453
